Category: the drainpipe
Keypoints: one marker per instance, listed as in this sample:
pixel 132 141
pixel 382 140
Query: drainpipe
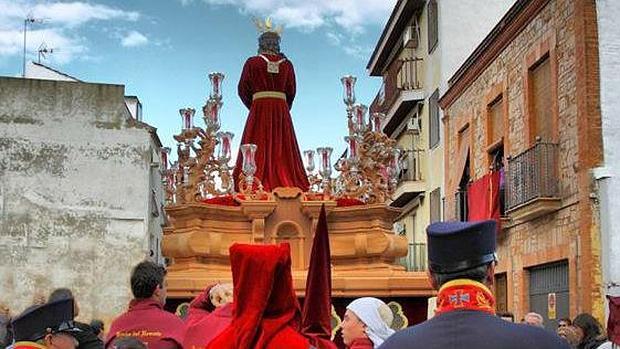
pixel 602 176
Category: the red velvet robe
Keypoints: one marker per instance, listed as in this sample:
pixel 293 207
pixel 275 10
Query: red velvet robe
pixel 269 125
pixel 201 331
pixel 266 313
pixel 149 322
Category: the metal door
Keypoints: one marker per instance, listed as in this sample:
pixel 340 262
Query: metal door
pixel 545 280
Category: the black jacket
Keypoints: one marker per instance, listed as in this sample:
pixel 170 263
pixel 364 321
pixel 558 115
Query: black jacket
pixel 86 337
pixel 467 329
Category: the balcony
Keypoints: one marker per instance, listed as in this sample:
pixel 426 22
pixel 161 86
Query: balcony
pixel 410 180
pixel 532 182
pixel 400 91
pixel 415 260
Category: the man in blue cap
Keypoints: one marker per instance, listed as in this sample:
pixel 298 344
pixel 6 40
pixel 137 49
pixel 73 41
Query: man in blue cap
pixel 46 326
pixel 461 267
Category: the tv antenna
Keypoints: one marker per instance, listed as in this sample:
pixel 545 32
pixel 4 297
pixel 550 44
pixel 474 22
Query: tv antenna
pixel 44 50
pixel 29 19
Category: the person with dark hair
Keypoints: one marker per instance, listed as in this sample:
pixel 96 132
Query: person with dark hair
pixel 146 318
pixel 267 88
pixel 86 337
pixel 461 267
pixel 589 331
pixel 563 322
pixel 98 326
pixel 129 343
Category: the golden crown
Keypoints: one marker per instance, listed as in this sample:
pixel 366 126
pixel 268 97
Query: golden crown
pixel 267 26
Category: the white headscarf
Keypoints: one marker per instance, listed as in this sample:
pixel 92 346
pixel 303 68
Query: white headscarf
pixel 377 317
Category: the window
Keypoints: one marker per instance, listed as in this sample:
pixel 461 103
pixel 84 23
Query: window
pixel 433 112
pixel 501 293
pixel 433 25
pixel 495 113
pixel 541 103
pixel 436 205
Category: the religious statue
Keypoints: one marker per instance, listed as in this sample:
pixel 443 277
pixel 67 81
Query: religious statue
pixel 267 88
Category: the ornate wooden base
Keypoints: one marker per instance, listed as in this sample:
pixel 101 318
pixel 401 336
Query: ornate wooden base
pixel 363 245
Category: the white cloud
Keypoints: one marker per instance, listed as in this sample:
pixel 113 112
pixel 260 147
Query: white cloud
pixel 76 13
pixel 350 15
pixel 134 38
pixel 59 28
pixel 342 20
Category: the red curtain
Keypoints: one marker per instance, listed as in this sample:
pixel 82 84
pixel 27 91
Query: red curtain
pixel 613 323
pixel 483 198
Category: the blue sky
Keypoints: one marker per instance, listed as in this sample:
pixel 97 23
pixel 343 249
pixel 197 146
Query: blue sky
pixel 162 51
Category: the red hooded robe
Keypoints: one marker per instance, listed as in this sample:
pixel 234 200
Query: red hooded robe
pixel 266 312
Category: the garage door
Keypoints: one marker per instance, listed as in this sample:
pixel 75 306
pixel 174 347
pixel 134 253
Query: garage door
pixel 549 284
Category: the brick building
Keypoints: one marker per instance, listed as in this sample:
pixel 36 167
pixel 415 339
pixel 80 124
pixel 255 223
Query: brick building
pixel 525 105
pixel 422 45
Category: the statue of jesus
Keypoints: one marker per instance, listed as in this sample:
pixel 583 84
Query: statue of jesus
pixel 267 88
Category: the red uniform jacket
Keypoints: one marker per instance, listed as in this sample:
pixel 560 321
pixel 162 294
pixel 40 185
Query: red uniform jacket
pixel 147 321
pixel 266 313
pixel 361 343
pixel 202 330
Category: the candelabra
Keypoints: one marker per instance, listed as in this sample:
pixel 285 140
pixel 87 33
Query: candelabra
pixel 202 169
pixel 370 171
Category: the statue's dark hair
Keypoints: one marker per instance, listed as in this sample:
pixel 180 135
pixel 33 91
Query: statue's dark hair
pixel 269 42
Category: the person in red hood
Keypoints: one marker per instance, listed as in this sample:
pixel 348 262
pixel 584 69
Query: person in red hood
pixel 266 313
pixel 146 318
pixel 203 326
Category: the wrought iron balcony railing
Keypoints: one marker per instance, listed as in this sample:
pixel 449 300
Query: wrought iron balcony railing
pixel 416 257
pixel 532 174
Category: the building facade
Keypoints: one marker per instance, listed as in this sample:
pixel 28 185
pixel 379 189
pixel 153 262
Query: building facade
pixel 608 175
pixel 421 46
pixel 80 193
pixel 523 134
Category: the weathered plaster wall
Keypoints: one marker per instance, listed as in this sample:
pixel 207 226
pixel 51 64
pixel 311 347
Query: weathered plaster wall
pixel 74 193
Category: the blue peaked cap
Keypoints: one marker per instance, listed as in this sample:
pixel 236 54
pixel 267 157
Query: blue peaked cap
pixel 458 246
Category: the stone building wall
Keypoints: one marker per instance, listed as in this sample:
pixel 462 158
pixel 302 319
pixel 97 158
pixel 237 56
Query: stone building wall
pixel 75 212
pixel 569 233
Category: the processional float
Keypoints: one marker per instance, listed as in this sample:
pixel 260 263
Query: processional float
pixel 206 216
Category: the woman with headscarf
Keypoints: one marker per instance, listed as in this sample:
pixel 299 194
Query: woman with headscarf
pixel 366 323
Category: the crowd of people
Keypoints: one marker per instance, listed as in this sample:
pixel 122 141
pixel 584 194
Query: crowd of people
pixel 260 309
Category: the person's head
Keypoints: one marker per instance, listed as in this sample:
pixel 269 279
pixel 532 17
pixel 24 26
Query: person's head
pixel 587 327
pixel 461 250
pixel 61 294
pixel 564 322
pixel 507 316
pixel 269 42
pixel 367 317
pixel 128 343
pixel 221 294
pixel 60 340
pixel 148 281
pixel 569 334
pixel 97 326
pixel 534 319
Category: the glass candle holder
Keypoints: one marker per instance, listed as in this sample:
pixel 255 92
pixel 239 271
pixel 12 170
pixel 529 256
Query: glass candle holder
pixel 216 85
pixel 309 156
pixel 187 115
pixel 325 161
pixel 348 85
pixel 225 151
